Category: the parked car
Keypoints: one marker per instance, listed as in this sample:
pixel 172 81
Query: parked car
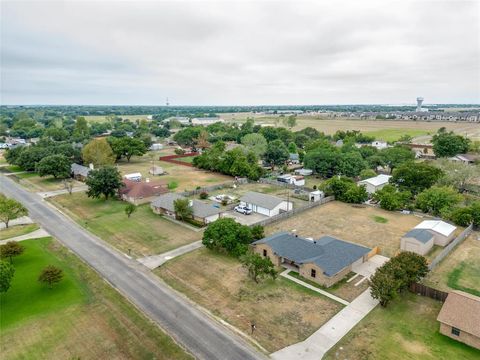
pixel 243 209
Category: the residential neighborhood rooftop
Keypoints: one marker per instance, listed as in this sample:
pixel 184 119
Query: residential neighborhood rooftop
pixel 461 310
pixel 264 200
pixel 438 226
pixel 330 253
pixel 422 235
pixel 200 209
pixel 378 180
pixel 81 170
pixel 137 189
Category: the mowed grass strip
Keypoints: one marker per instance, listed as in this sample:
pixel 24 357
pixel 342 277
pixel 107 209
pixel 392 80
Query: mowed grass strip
pixel 283 311
pixel 144 233
pixel 392 135
pixel 80 318
pixel 17 230
pixel 406 329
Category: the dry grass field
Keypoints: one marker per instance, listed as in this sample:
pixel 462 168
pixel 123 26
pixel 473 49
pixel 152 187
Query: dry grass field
pixel 187 178
pixel 358 225
pixel 460 270
pixel 143 234
pixel 33 182
pixel 284 312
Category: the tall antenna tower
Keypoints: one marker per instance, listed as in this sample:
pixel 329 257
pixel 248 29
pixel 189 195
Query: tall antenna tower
pixel 419 103
pixel 166 102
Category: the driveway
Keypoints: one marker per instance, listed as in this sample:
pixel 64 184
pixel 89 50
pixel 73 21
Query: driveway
pixel 369 267
pixel 180 318
pixel 251 219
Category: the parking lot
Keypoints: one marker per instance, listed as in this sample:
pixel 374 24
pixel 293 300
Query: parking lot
pixel 245 219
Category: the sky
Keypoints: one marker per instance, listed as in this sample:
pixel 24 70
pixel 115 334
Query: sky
pixel 239 52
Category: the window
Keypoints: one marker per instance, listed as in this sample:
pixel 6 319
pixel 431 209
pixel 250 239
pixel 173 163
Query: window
pixel 264 252
pixel 313 273
pixel 455 331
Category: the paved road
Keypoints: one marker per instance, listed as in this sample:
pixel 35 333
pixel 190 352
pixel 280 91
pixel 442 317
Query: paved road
pixel 155 261
pixel 201 335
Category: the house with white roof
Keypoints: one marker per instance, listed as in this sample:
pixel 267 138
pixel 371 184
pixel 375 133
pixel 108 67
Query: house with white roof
pixel 205 121
pixel 373 184
pixel 380 144
pixel 265 204
pixel 443 232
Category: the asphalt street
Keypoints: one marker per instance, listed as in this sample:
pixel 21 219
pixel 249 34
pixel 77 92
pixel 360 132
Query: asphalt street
pixel 200 334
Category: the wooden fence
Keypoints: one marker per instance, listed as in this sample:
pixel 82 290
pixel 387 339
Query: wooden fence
pixel 427 291
pixel 450 247
pixel 292 212
pixel 172 159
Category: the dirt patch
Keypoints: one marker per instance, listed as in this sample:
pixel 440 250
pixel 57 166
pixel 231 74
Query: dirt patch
pixel 411 346
pixel 350 223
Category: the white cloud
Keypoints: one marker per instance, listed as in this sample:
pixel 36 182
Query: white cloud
pixel 240 53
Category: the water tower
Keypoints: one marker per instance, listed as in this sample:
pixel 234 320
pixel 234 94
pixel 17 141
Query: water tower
pixel 419 103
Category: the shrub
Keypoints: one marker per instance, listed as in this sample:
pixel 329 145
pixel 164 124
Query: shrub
pixel 204 195
pixel 172 185
pixel 51 275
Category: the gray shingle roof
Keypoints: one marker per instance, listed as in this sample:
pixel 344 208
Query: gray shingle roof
pixel 200 209
pixel 329 253
pixel 81 170
pixel 421 235
pixel 262 200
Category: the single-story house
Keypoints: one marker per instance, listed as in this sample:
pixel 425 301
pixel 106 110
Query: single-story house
pixel 460 318
pixel 316 195
pixel 294 158
pixel 156 147
pixel 156 170
pixel 205 213
pixel 304 172
pixel 380 144
pixel 296 180
pixel 137 193
pixel 373 184
pixel 79 172
pixel 443 232
pixel 265 204
pixel 133 176
pixel 325 261
pixel 205 121
pixel 419 241
pixel 466 158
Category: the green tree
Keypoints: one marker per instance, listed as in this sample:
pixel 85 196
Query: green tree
pixel 10 250
pixel 276 154
pixel 344 189
pixel 290 121
pixel 447 144
pixel 183 210
pixel 59 166
pixel 413 267
pixel 415 177
pixel 11 209
pixel 81 130
pixel 292 148
pixel 391 199
pixel 130 209
pixel 384 286
pixel 98 152
pixel 322 160
pixel 127 146
pixel 258 267
pixel 396 156
pixel 456 174
pixel 462 216
pixel 350 164
pixel 226 235
pixel 258 232
pixel 355 195
pixel 367 173
pixel 256 143
pixel 104 181
pixel 438 199
pixel 51 275
pixel 6 275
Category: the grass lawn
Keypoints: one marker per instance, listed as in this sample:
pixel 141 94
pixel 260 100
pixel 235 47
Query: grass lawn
pixel 342 289
pixel 284 312
pixel 460 270
pixel 34 182
pixel 145 233
pixel 81 317
pixel 392 135
pixel 187 159
pixel 358 225
pixel 17 230
pixel 406 329
pixel 188 178
pixel 103 118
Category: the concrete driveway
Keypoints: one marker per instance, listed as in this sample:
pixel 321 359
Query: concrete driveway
pixel 251 219
pixel 369 267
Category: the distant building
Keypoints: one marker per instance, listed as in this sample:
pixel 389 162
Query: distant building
pixel 206 121
pixel 466 158
pixel 380 145
pixel 372 185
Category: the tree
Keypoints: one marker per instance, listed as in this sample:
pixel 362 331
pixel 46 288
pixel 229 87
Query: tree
pixel 446 144
pixel 51 275
pixel 456 174
pixel 68 185
pixel 391 199
pixel 256 143
pixel 290 121
pixel 183 210
pixel 397 155
pixel 355 195
pixel 415 177
pixel 292 148
pixel 276 154
pixel 226 235
pixel 98 152
pixel 350 164
pixel 462 216
pixel 59 166
pixel 201 142
pixel 10 209
pixel 367 173
pixel 127 146
pixel 130 209
pixel 258 232
pixel 384 286
pixel 81 130
pixel 104 181
pixel 10 250
pixel 438 199
pixel 322 160
pixel 258 267
pixel 6 275
pixel 345 189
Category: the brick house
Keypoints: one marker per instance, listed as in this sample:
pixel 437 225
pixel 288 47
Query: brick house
pixel 141 192
pixel 325 261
